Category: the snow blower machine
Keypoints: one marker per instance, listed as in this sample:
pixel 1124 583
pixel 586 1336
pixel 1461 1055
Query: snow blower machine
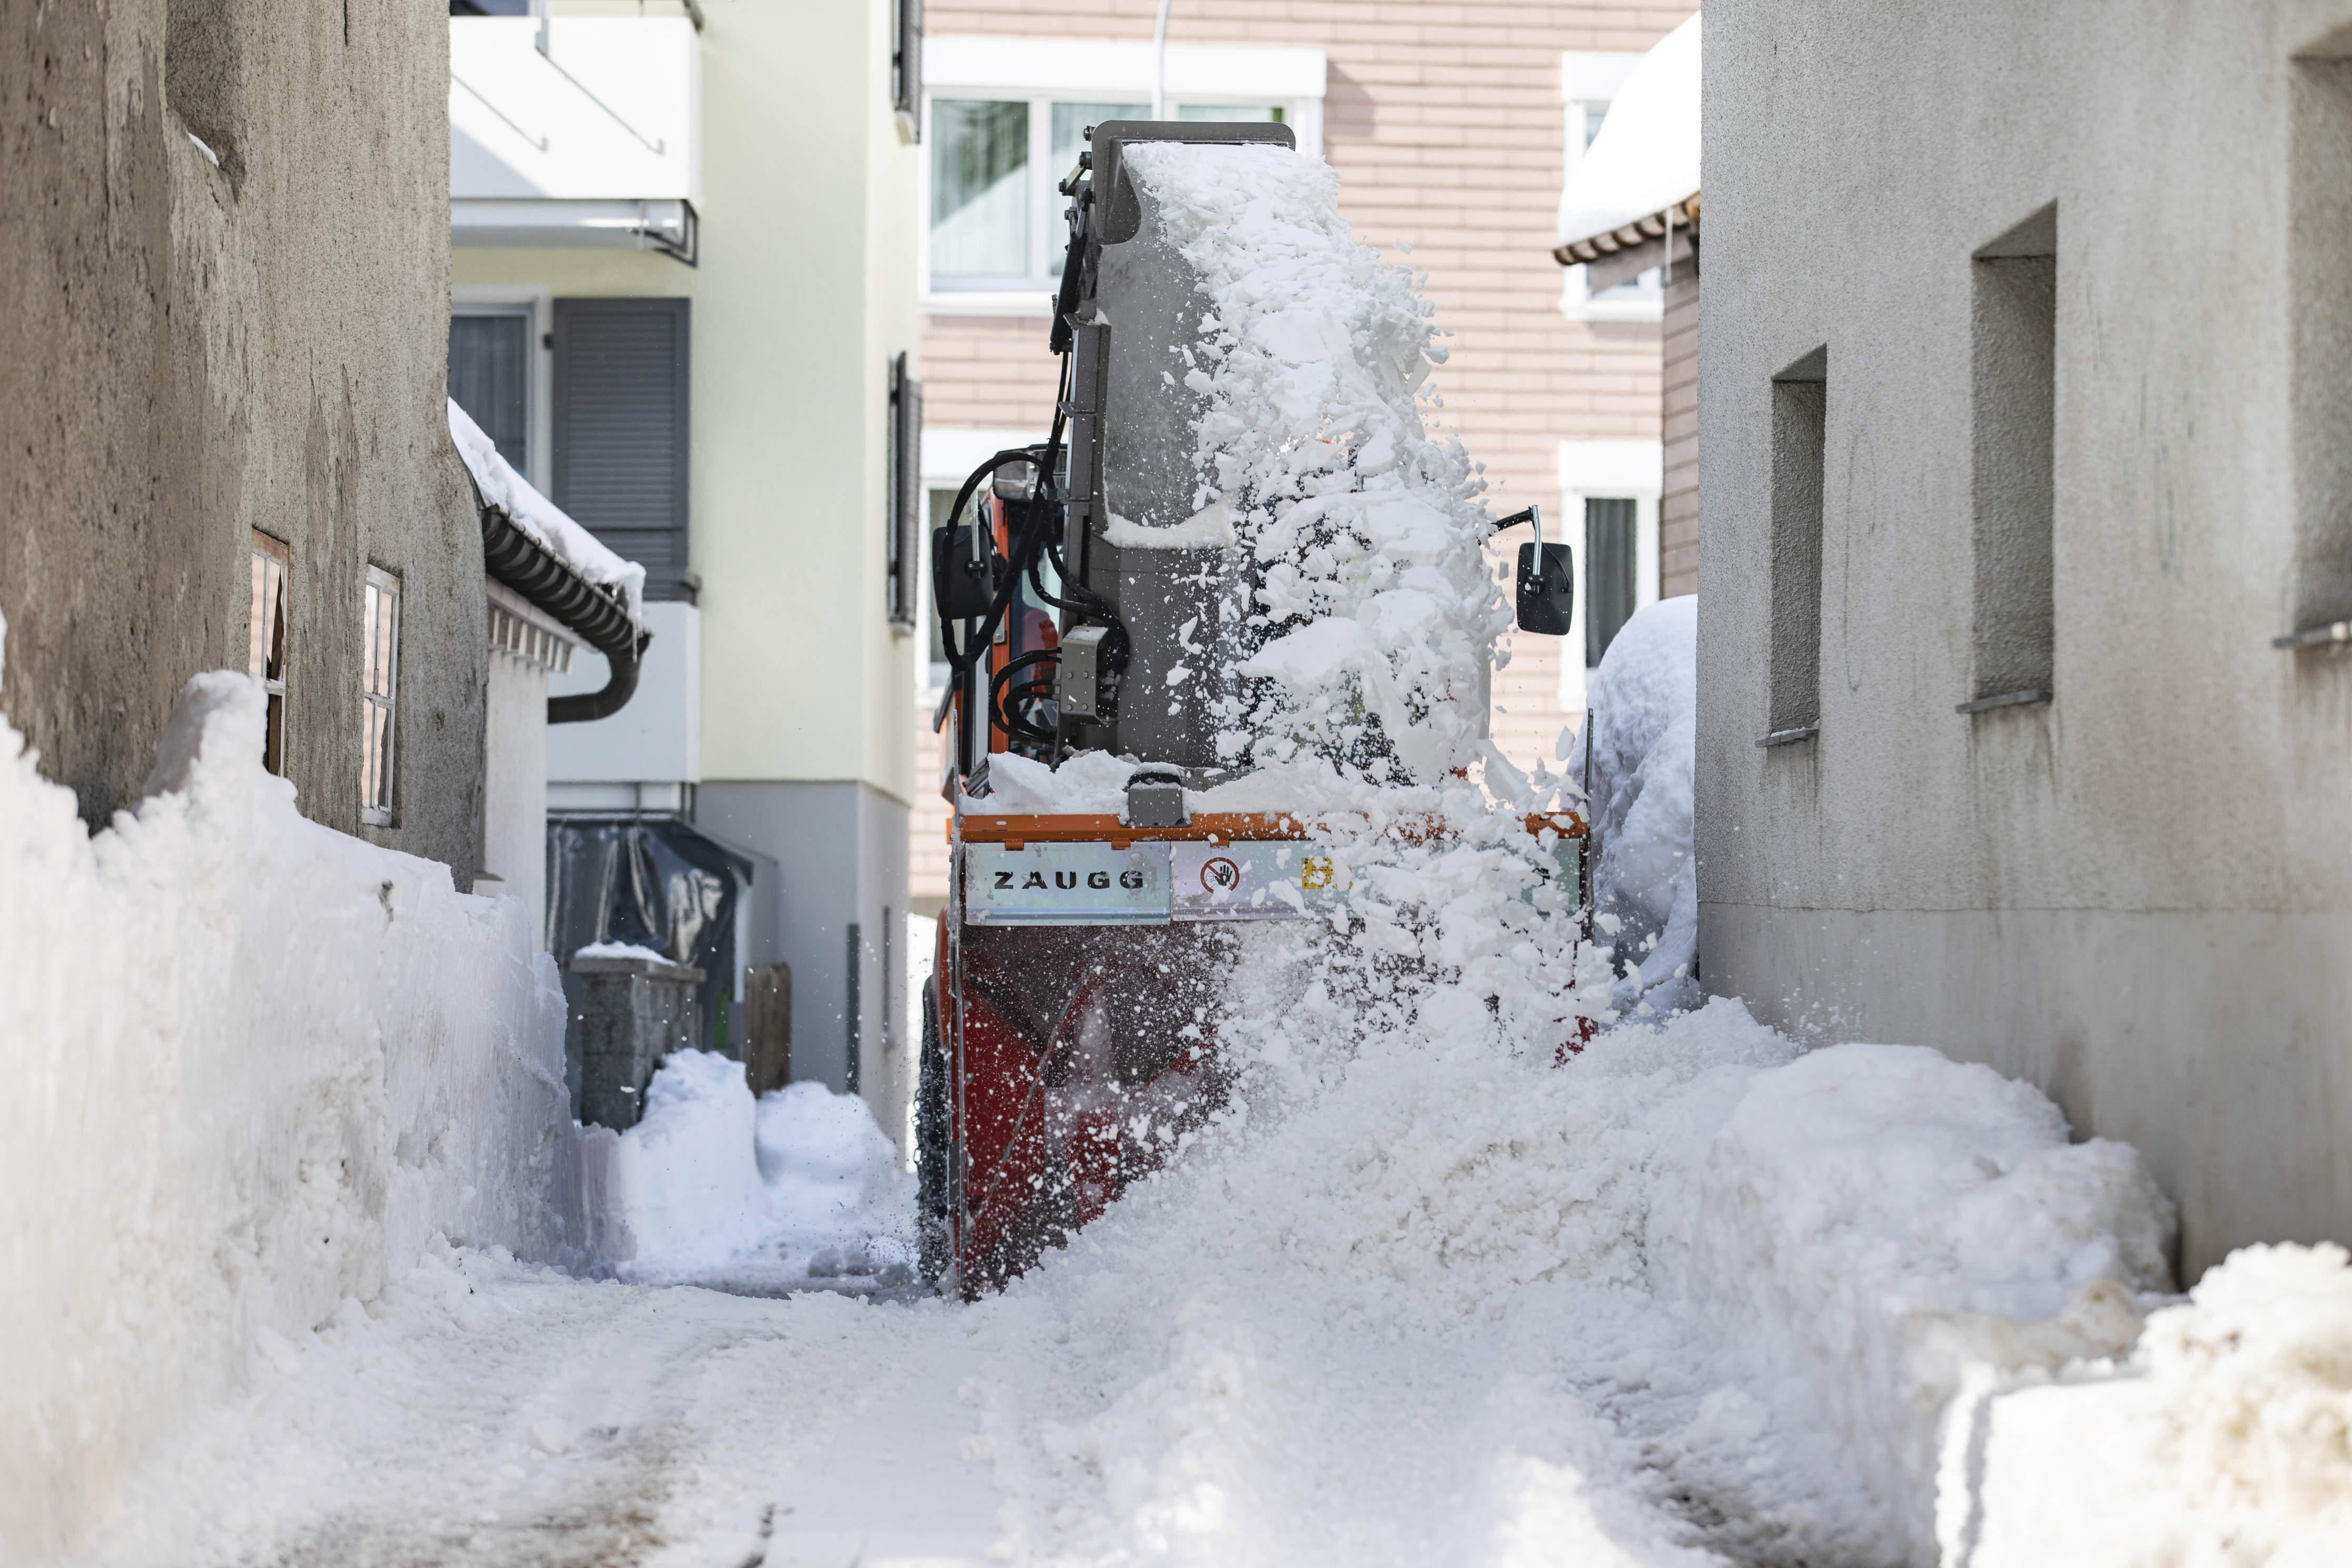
pixel 1070 1030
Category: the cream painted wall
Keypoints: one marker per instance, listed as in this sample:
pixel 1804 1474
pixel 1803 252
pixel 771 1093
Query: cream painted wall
pixel 805 290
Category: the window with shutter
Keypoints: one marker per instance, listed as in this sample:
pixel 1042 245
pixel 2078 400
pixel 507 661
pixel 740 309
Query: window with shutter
pixel 620 425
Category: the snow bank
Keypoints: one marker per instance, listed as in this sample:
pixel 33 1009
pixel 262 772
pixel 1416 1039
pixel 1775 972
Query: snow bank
pixel 2225 1439
pixel 683 1183
pixel 541 518
pixel 1634 756
pixel 257 1063
pixel 1646 157
pixel 1367 637
pixel 1871 1222
pixel 712 1187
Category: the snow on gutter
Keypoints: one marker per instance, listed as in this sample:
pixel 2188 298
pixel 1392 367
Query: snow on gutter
pixel 1641 175
pixel 530 545
pixel 541 518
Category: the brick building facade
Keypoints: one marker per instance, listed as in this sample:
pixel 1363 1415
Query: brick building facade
pixel 1451 126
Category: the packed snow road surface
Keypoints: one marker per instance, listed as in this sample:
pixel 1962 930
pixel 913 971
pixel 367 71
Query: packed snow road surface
pixel 486 1411
pixel 1541 1319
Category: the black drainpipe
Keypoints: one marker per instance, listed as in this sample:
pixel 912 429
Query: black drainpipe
pixel 598 614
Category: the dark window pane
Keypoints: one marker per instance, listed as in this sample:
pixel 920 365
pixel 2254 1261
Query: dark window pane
pixel 1609 548
pixel 490 378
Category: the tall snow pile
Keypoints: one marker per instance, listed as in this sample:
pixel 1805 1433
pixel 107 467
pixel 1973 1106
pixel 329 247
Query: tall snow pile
pixel 257 1064
pixel 713 1187
pixel 1691 1294
pixel 1368 638
pixel 539 517
pixel 1633 757
pixel 2225 1439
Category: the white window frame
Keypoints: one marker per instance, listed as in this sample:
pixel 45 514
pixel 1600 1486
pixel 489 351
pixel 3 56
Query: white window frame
pixel 1045 71
pixel 380 593
pixel 1589 81
pixel 272 622
pixel 1607 470
pixel 536 302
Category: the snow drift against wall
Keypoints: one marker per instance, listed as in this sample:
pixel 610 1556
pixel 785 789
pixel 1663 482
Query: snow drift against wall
pixel 255 1063
pixel 1634 758
pixel 2224 1440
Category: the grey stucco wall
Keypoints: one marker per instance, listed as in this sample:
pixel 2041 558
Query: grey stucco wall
pixel 189 352
pixel 2139 894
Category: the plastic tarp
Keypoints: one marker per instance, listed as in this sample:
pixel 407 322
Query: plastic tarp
pixel 654 882
pixel 1646 157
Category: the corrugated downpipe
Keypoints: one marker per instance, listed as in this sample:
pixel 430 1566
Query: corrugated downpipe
pixel 598 614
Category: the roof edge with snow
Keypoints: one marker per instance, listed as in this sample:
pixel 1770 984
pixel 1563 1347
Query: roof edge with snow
pixel 1641 175
pixel 1641 231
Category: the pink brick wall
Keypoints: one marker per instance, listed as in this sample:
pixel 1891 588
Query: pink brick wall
pixel 1446 124
pixel 1678 502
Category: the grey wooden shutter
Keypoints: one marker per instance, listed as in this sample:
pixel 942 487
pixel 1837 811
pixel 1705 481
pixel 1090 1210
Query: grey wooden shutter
pixel 906 67
pixel 906 495
pixel 620 420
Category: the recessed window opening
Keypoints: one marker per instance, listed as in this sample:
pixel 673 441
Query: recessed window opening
pixel 2319 246
pixel 1799 435
pixel 266 651
pixel 379 688
pixel 1611 547
pixel 2013 330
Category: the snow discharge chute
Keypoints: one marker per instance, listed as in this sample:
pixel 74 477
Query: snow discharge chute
pixel 1220 651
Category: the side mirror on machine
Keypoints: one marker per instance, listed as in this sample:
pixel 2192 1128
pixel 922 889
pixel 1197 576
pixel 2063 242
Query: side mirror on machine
pixel 1546 580
pixel 963 584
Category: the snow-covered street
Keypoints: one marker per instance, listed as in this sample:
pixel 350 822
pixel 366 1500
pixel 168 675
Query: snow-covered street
pixel 486 1411
pixel 1395 1329
pixel 1430 1288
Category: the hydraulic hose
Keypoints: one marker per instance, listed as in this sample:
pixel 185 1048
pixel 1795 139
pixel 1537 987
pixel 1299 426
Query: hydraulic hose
pixel 998 692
